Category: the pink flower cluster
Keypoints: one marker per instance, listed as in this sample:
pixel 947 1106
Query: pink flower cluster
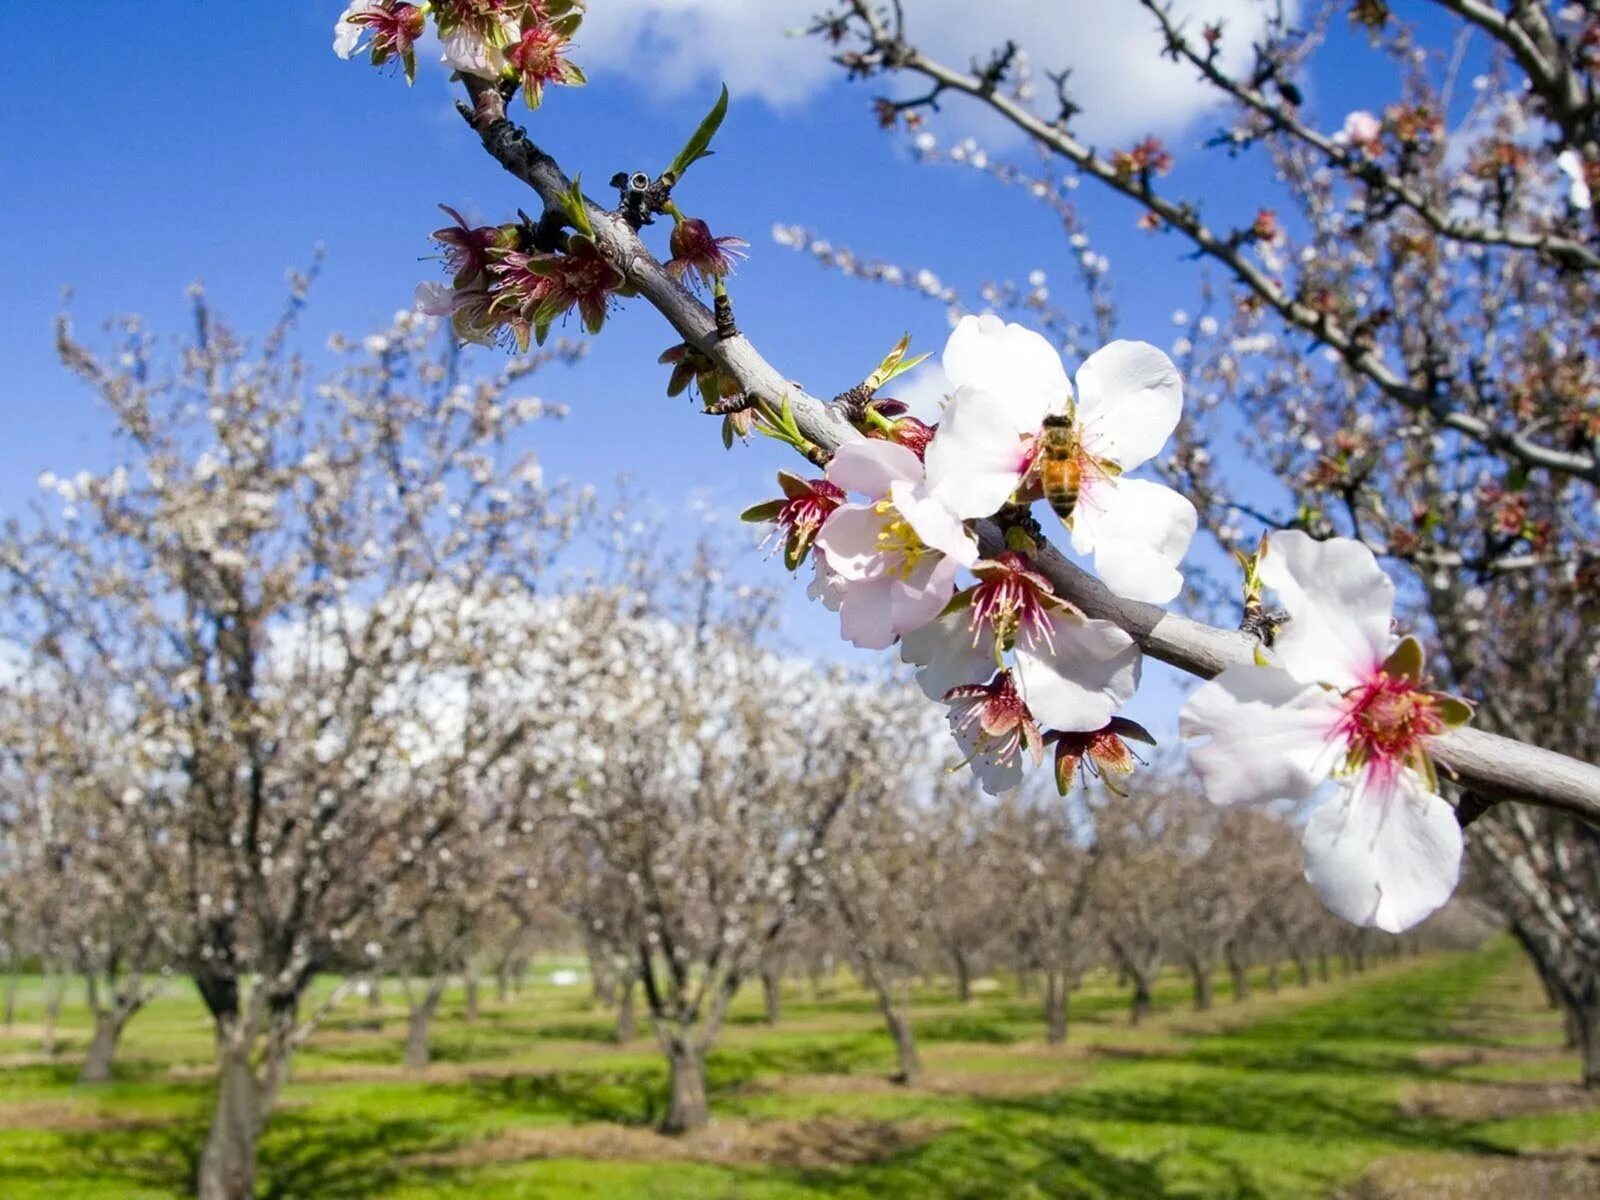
pixel 1017 666
pixel 524 40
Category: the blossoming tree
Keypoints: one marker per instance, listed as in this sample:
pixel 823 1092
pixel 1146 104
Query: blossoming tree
pixel 934 538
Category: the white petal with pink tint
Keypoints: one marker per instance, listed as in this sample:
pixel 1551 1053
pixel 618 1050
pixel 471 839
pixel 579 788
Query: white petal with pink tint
pixel 849 538
pixel 1384 853
pixel 977 458
pixel 995 777
pixel 947 655
pixel 1093 671
pixel 1129 398
pixel 871 465
pixel 1019 369
pixel 1138 532
pixel 469 53
pixel 934 524
pixel 1271 736
pixel 1339 602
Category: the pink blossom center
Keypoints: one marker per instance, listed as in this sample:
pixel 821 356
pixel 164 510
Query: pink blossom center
pixel 806 513
pixel 1002 716
pixel 538 55
pixel 1386 721
pixel 1010 601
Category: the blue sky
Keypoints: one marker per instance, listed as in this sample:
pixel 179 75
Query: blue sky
pixel 223 142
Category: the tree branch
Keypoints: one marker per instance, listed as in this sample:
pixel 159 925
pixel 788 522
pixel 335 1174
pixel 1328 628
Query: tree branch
pixel 1484 762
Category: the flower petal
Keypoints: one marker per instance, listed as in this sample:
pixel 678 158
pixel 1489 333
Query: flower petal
pixel 1015 365
pixel 1271 736
pixel 1129 399
pixel 935 524
pixel 944 653
pixel 1093 672
pixel 347 34
pixel 849 537
pixel 825 585
pixel 1384 852
pixel 866 614
pixel 976 459
pixel 870 465
pixel 1139 532
pixel 996 778
pixel 919 599
pixel 469 53
pixel 1339 603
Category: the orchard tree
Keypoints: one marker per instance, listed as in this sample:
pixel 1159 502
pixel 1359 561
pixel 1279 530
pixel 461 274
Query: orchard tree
pixel 295 585
pixel 701 774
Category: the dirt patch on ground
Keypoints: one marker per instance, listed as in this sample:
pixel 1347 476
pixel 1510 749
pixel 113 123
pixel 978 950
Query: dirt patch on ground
pixel 1423 1177
pixel 1494 1101
pixel 810 1145
pixel 946 1083
pixel 65 1116
pixel 1445 1057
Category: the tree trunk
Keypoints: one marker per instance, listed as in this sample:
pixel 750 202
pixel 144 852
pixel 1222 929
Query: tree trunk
pixel 108 1028
pixel 1324 975
pixel 228 1162
pixel 1302 968
pixel 908 1068
pixel 1201 974
pixel 1141 999
pixel 55 993
pixel 627 1021
pixel 1274 977
pixel 471 1014
pixel 963 976
pixel 1239 976
pixel 502 985
pixel 1584 1019
pixel 418 1052
pixel 11 995
pixel 1055 1007
pixel 686 1106
pixel 772 994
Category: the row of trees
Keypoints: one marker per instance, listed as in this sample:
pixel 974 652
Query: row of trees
pixel 305 686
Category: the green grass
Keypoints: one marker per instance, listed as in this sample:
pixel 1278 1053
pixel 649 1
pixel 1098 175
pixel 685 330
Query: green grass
pixel 1290 1095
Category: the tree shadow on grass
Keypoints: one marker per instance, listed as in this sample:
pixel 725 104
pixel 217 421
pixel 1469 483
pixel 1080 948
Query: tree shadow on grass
pixel 304 1157
pixel 1257 1106
pixel 1006 1159
pixel 633 1097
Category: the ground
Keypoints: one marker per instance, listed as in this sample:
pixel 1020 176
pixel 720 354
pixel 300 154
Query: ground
pixel 1434 1077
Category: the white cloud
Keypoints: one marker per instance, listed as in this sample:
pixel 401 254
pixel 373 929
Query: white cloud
pixel 923 390
pixel 1118 74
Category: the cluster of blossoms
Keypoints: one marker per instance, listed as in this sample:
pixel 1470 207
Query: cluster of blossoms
pixel 1338 696
pixel 889 531
pixel 896 519
pixel 523 40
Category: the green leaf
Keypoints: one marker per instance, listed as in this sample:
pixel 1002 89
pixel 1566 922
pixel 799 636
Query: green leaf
pixel 1453 710
pixel 961 601
pixel 767 510
pixel 794 551
pixel 699 144
pixel 895 364
pixel 1406 661
pixel 1130 731
pixel 577 210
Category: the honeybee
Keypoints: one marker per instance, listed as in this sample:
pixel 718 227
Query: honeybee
pixel 1060 465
